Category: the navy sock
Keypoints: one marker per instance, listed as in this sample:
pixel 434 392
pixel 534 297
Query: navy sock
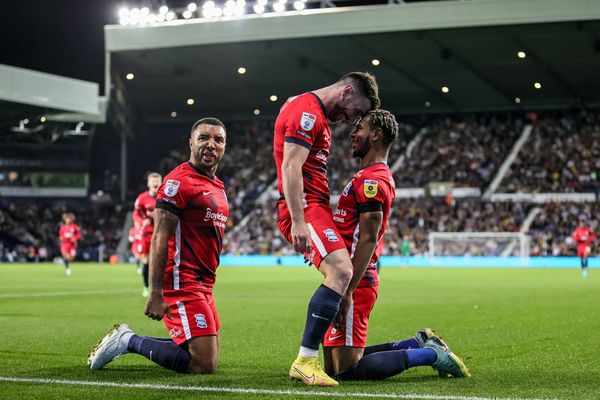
pixel 377 366
pixel 66 264
pixel 400 345
pixel 145 274
pixel 163 352
pixel 322 309
pixel 420 357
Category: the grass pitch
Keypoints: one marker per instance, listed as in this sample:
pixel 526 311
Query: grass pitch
pixel 523 333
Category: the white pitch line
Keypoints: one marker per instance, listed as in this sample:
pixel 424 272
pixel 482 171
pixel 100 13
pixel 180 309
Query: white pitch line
pixel 250 390
pixel 58 294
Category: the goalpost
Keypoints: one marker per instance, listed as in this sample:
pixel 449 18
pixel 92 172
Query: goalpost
pixel 491 244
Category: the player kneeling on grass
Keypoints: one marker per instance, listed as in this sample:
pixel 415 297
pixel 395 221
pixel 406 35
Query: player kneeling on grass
pixel 361 218
pixel 190 217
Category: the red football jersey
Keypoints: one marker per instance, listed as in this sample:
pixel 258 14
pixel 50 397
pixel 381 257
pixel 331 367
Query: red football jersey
pixel 302 121
pixel 201 204
pixel 371 189
pixel 144 209
pixel 584 235
pixel 69 233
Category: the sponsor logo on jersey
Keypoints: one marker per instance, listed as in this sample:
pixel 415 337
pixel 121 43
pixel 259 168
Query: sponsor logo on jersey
pixel 218 218
pixel 307 121
pixel 171 187
pixel 347 189
pixel 302 133
pixel 370 188
pixel 321 155
pixel 201 321
pixel 175 332
pixel 331 236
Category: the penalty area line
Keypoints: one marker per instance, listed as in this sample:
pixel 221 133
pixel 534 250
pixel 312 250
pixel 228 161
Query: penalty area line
pixel 247 390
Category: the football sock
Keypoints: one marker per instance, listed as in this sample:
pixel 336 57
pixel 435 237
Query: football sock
pixel 420 357
pixel 322 309
pixel 145 274
pixel 378 365
pixel 66 264
pixel 163 352
pixel 400 345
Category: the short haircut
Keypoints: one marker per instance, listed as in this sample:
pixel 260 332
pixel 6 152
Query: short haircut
pixel 69 215
pixel 386 121
pixel 366 85
pixel 207 121
pixel 154 175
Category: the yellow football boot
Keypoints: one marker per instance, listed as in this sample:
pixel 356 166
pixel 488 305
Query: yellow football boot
pixel 308 370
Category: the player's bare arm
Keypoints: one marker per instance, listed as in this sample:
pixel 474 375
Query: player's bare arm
pixel 294 157
pixel 369 224
pixel 165 223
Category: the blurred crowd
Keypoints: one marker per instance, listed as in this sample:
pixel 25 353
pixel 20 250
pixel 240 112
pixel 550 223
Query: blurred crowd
pixel 29 231
pixel 466 151
pixel 561 155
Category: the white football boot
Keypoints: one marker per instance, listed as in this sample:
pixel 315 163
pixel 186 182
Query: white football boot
pixel 109 347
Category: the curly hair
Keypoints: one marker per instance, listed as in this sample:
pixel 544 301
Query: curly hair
pixel 366 85
pixel 386 121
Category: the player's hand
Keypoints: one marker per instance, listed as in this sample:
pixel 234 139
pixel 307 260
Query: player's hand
pixel 157 307
pixel 340 319
pixel 146 222
pixel 301 237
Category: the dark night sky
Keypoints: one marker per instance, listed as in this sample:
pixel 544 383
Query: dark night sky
pixel 62 37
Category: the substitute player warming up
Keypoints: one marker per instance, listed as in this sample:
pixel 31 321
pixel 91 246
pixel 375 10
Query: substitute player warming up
pixel 68 235
pixel 362 218
pixel 190 217
pixel 301 146
pixel 585 237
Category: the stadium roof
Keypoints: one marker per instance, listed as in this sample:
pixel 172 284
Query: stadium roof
pixel 471 48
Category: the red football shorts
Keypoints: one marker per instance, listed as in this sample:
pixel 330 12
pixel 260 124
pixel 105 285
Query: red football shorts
pixel 68 248
pixel 325 236
pixel 583 250
pixel 136 248
pixel 354 334
pixel 145 242
pixel 194 314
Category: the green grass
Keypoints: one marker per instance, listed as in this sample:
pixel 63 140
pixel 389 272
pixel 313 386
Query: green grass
pixel 523 333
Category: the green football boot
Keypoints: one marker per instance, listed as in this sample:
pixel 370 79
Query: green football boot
pixel 447 364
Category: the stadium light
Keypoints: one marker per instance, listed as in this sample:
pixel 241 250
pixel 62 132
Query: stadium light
pixel 375 62
pixel 278 7
pixel 170 16
pixel 273 98
pixel 258 8
pixel 256 111
pixel 521 54
pixel 129 76
pixel 187 14
pixel 173 114
pixel 427 104
pixel 124 21
pixel 190 102
pixel 124 12
pixel 445 89
pixel 241 70
pixel 537 85
pixel 299 5
pixel 145 11
pixel 517 100
pixel 192 7
pixel 43 119
pixel 163 10
pixel 217 12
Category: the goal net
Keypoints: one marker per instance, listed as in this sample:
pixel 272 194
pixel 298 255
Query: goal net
pixel 491 244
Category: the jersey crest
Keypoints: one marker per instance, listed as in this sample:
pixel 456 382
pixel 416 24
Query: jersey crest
pixel 307 121
pixel 171 187
pixel 370 188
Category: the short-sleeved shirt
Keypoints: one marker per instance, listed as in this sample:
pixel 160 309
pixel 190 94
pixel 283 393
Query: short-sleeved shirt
pixel 200 202
pixel 584 236
pixel 69 234
pixel 302 121
pixel 371 189
pixel 144 209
